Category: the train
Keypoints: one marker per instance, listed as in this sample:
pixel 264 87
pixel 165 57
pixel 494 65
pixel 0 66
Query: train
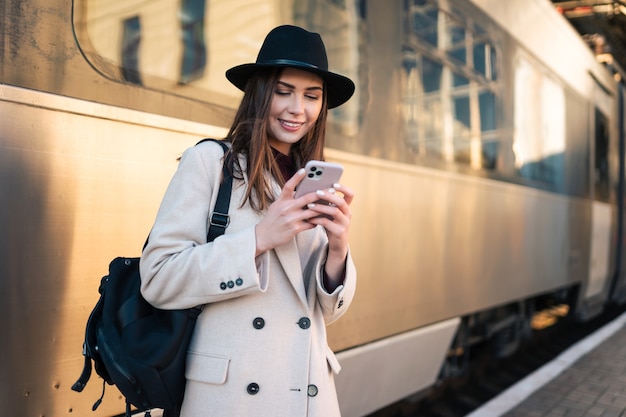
pixel 485 143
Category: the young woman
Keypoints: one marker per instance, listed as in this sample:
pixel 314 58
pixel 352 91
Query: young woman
pixel 282 271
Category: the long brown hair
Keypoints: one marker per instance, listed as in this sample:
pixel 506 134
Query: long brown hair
pixel 249 135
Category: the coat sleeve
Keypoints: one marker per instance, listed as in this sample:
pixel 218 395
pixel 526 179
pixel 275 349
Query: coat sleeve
pixel 179 269
pixel 335 304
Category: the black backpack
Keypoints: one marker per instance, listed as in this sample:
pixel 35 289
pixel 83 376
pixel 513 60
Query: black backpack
pixel 139 348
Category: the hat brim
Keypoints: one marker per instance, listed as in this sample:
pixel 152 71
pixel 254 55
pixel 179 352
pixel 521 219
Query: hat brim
pixel 339 88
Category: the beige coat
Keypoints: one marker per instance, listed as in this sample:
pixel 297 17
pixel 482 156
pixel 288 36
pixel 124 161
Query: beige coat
pixel 259 347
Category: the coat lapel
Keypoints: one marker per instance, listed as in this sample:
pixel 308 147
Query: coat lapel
pixel 288 255
pixel 289 259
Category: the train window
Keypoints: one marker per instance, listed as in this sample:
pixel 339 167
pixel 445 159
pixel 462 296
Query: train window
pixel 427 94
pixel 539 126
pixel 183 47
pixel 456 64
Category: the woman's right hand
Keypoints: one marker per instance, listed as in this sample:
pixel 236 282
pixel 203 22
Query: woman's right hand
pixel 285 217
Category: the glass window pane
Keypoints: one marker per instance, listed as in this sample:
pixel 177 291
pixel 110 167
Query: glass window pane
pixel 459 80
pixel 131 41
pixel 424 20
pixel 459 54
pixel 601 175
pixel 487 105
pixel 194 47
pixel 492 63
pixel 479 59
pixel 431 75
pixel 462 113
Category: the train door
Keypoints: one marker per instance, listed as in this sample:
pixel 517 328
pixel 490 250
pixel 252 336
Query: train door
pixel 618 285
pixel 603 222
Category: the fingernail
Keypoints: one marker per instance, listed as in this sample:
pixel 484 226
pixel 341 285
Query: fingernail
pixel 320 192
pixel 301 171
pixel 332 190
pixel 336 185
pixel 310 205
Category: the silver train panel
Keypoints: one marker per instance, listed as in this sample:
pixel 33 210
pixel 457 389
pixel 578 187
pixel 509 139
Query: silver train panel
pixel 392 368
pixel 80 185
pixel 433 245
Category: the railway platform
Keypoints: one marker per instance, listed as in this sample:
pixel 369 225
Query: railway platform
pixel 588 379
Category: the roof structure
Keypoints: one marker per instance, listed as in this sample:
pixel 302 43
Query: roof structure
pixel 602 23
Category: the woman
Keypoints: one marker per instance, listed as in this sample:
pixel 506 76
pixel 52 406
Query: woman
pixel 282 271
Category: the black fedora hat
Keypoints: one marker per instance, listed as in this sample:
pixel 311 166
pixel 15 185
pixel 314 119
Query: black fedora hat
pixel 292 46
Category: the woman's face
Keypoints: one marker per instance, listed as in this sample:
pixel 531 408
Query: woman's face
pixel 296 105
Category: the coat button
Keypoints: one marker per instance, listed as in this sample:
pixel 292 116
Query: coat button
pixel 253 388
pixel 258 323
pixel 223 286
pixel 304 323
pixel 312 390
pixel 230 284
pixel 239 282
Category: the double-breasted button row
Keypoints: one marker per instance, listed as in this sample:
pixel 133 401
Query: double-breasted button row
pixel 231 284
pixel 259 322
pixel 253 389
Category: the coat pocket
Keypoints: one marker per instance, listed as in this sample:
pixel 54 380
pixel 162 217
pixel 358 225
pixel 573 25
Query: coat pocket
pixel 206 368
pixel 332 361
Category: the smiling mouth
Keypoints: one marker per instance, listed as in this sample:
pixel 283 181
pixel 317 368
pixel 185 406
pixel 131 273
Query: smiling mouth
pixel 291 125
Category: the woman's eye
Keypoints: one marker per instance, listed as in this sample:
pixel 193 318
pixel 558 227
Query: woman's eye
pixel 312 96
pixel 282 92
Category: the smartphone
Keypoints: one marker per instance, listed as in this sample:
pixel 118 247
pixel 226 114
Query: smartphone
pixel 319 176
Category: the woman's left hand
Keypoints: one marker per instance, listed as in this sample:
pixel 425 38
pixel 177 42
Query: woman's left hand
pixel 335 218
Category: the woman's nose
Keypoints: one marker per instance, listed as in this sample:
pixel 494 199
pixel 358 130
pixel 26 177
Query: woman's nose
pixel 296 105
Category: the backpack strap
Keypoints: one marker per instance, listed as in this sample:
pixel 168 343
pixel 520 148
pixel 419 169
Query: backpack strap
pixel 79 385
pixel 219 217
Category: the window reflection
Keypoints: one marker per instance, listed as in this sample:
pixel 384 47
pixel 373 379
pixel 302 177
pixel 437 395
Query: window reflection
pixel 430 85
pixel 194 55
pixel 539 132
pixel 131 40
pixel 456 66
pixel 184 47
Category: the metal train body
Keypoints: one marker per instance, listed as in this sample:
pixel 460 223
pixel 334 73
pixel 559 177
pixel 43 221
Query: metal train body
pixel 485 145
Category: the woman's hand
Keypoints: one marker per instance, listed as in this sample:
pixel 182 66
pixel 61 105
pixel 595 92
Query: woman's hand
pixel 288 216
pixel 285 217
pixel 335 218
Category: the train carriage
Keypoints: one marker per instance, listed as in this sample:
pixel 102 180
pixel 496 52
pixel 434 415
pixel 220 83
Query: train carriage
pixel 485 144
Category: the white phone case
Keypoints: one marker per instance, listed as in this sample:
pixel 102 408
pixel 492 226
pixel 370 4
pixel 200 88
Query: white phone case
pixel 319 176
